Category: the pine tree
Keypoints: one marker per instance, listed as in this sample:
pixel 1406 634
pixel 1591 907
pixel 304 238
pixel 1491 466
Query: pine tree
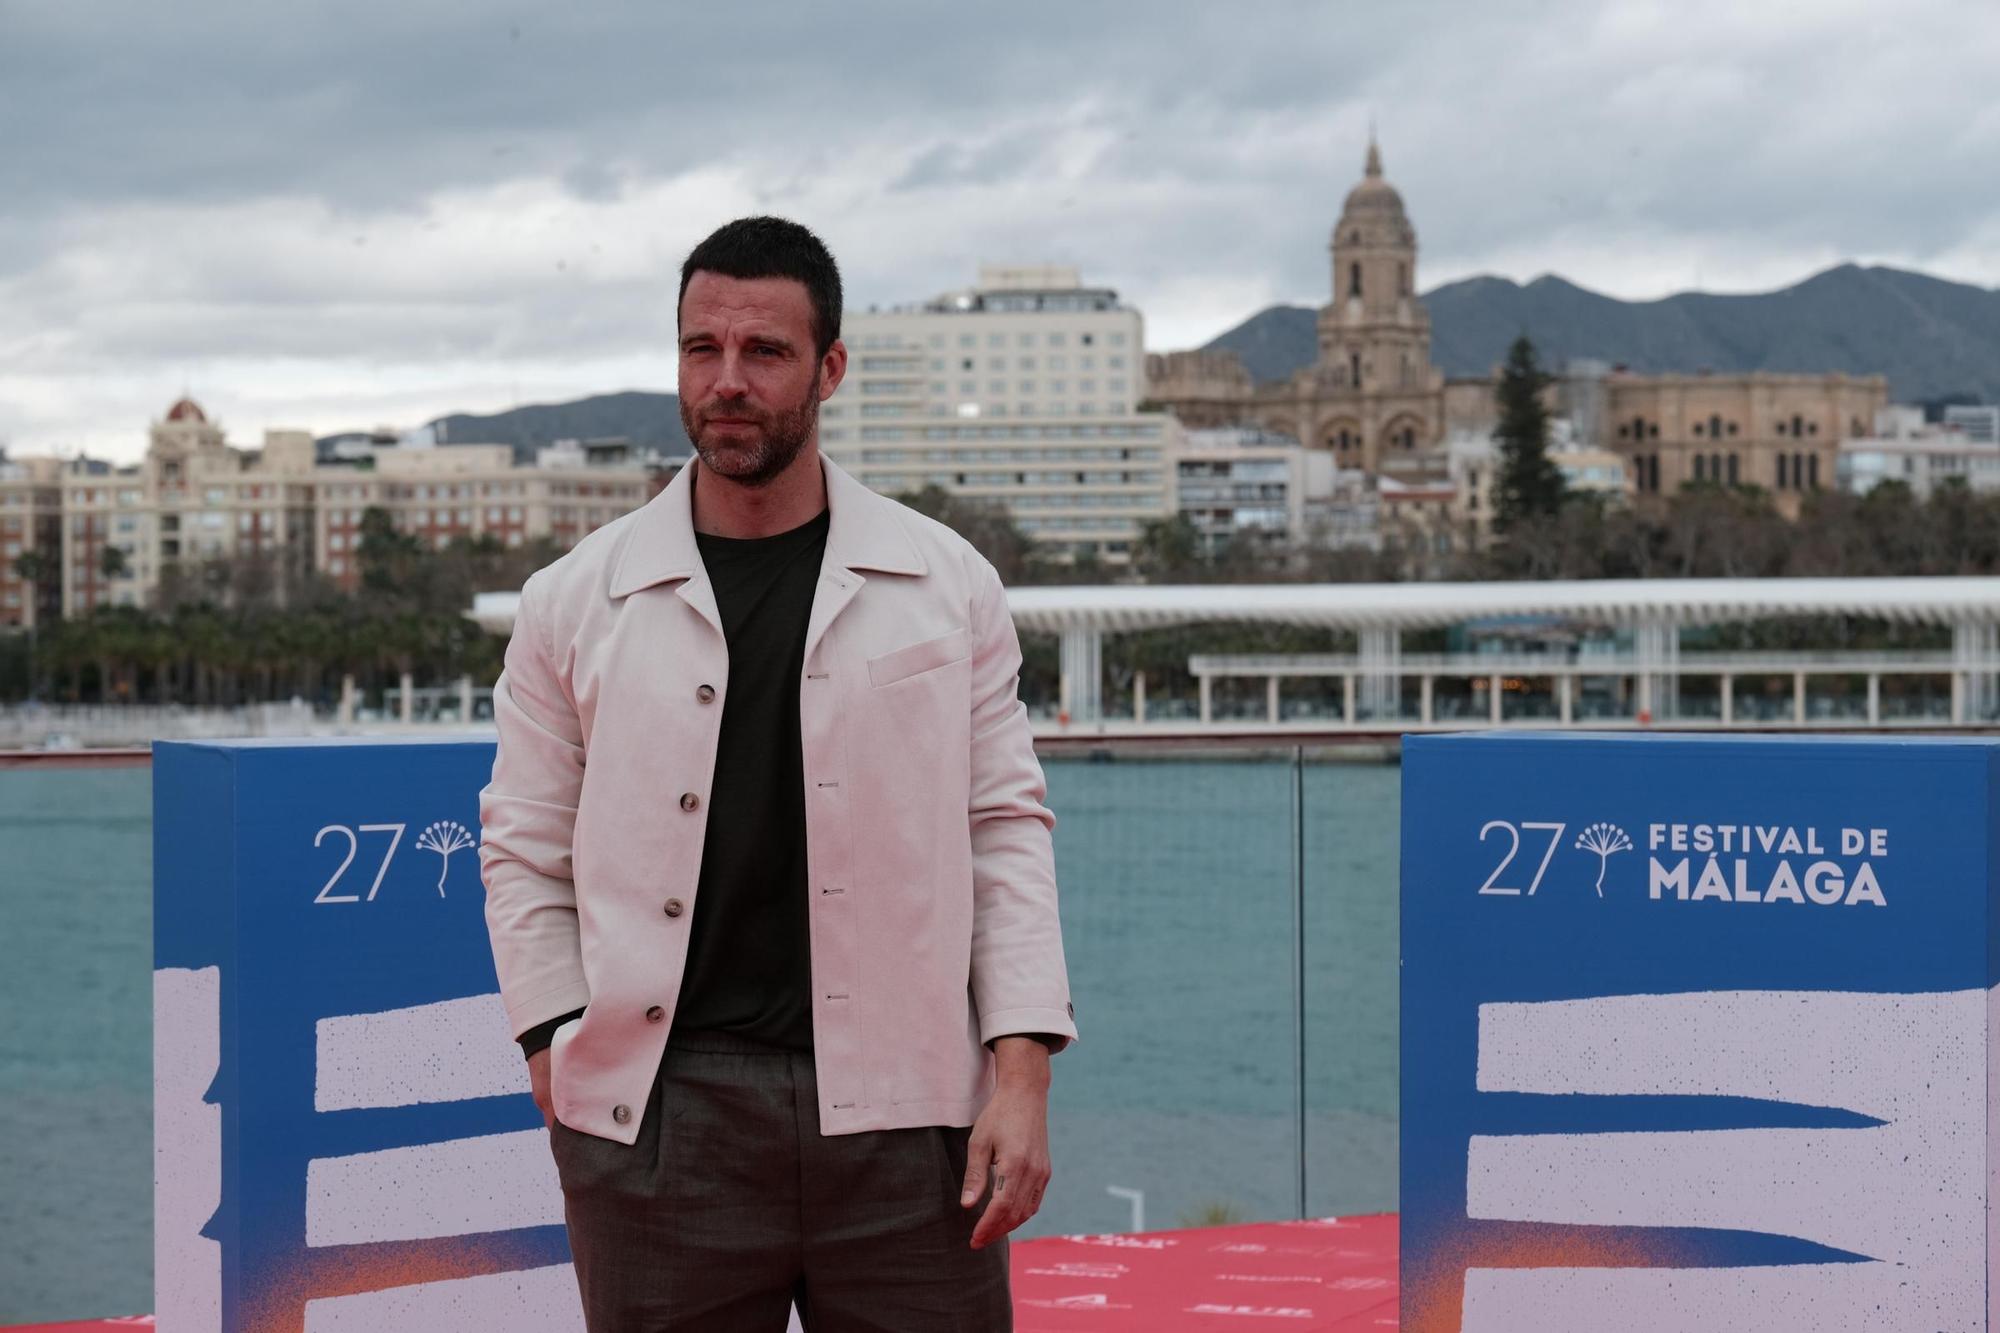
pixel 1530 485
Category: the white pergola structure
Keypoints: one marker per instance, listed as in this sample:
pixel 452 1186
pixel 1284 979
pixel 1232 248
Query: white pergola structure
pixel 1653 610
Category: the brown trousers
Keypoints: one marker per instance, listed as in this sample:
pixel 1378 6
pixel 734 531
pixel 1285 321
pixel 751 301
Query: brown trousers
pixel 731 1206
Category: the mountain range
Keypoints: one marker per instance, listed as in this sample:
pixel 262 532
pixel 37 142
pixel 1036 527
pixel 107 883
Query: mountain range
pixel 1936 340
pixel 647 419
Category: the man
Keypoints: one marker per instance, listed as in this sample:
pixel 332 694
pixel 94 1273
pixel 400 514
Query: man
pixel 768 872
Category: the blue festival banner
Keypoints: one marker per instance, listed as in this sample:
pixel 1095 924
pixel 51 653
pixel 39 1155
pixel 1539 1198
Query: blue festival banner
pixel 344 1141
pixel 1697 1033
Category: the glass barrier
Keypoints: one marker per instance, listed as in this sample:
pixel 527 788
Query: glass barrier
pixel 1351 853
pixel 1185 870
pixel 1178 1106
pixel 76 1053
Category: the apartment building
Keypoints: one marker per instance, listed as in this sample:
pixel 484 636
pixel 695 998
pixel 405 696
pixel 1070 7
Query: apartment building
pixel 1247 485
pixel 195 498
pixel 1924 457
pixel 450 492
pixel 1022 390
pixel 30 522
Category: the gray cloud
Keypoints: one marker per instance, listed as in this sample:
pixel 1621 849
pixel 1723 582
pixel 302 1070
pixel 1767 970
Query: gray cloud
pixel 510 186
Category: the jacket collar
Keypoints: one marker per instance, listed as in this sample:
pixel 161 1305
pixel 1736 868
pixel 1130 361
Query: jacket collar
pixel 866 531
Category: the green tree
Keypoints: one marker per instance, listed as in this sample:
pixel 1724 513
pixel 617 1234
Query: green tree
pixel 1530 485
pixel 112 563
pixel 985 523
pixel 393 562
pixel 1168 551
pixel 36 566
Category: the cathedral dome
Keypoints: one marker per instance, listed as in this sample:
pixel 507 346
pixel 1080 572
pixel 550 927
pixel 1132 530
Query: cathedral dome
pixel 1373 195
pixel 187 409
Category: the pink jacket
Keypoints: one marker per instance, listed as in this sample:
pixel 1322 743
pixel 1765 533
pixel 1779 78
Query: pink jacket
pixel 933 896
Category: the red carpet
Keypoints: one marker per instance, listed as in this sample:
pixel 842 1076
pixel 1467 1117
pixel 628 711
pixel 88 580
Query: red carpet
pixel 1330 1276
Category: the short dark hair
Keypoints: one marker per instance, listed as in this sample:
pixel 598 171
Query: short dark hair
pixel 768 247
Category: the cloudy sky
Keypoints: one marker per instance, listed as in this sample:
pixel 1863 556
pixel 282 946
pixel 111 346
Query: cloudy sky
pixel 340 215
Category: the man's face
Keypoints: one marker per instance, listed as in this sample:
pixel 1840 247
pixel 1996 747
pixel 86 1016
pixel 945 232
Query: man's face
pixel 750 380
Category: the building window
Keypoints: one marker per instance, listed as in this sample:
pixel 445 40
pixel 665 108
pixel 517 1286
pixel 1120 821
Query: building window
pixel 1812 472
pixel 1732 469
pixel 1354 369
pixel 1783 475
pixel 1354 279
pixel 1697 430
pixel 1700 466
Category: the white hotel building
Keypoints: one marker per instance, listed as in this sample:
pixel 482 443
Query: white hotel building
pixel 1024 390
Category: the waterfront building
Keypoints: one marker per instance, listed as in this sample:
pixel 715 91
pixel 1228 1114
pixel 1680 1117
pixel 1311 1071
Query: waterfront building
pixel 1023 390
pixel 1904 448
pixel 30 521
pixel 468 491
pixel 1349 516
pixel 194 498
pixel 1247 485
pixel 1979 424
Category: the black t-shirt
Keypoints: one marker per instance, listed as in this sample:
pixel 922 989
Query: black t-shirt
pixel 749 964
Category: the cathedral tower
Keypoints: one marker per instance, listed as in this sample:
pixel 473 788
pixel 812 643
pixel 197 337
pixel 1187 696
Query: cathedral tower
pixel 1374 336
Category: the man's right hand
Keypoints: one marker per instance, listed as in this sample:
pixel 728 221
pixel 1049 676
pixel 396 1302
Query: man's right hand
pixel 539 1080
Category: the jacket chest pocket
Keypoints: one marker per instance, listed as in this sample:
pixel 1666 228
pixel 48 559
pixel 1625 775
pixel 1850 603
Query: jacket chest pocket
pixel 918 658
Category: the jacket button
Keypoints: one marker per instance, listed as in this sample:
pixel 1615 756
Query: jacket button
pixel 674 907
pixel 621 1113
pixel 705 693
pixel 690 802
pixel 655 1014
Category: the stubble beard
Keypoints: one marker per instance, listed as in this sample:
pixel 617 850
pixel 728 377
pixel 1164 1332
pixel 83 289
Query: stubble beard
pixel 759 461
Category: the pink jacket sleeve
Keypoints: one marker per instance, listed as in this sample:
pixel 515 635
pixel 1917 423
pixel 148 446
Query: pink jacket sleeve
pixel 527 817
pixel 1019 980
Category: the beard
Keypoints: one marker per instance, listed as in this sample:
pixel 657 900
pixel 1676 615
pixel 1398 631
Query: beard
pixel 757 457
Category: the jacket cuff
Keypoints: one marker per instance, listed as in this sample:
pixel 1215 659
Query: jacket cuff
pixel 568 998
pixel 1055 1027
pixel 542 1035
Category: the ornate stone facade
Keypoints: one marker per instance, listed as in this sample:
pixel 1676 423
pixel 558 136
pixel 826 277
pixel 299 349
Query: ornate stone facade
pixel 1372 398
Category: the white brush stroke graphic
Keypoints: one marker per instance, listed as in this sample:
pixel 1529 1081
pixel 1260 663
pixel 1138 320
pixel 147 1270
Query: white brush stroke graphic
pixel 444 1052
pixel 1908 1194
pixel 187 1148
pixel 542 1299
pixel 1822 1298
pixel 496 1182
